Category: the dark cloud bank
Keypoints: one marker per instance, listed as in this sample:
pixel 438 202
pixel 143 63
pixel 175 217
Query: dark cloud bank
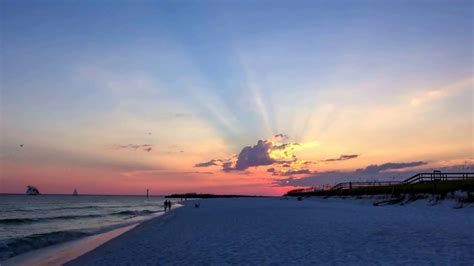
pixel 371 172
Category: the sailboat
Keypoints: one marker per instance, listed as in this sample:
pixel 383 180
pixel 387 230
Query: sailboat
pixel 74 193
pixel 31 190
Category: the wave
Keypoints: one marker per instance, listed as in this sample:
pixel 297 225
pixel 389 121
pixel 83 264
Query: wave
pixel 135 213
pixel 43 219
pixel 71 208
pixel 92 207
pixel 15 246
pixel 16 221
pixel 57 209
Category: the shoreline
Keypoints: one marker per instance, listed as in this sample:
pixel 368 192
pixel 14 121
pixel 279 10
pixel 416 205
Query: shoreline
pixel 61 253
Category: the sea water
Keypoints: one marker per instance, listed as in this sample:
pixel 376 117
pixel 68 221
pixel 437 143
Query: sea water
pixel 32 222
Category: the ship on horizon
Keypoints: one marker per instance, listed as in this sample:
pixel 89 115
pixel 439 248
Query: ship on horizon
pixel 31 190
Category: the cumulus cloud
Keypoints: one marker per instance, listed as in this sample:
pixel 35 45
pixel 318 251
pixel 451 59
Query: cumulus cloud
pixel 265 152
pixel 255 155
pixel 343 157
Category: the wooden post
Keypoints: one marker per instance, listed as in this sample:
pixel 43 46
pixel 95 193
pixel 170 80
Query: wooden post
pixel 147 192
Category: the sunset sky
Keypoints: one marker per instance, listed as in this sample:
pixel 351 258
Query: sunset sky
pixel 114 97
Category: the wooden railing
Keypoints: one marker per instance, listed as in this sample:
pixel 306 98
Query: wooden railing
pixel 350 185
pixel 418 178
pixel 429 177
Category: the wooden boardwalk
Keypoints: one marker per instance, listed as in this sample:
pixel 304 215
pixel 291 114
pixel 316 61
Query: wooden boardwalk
pixel 418 178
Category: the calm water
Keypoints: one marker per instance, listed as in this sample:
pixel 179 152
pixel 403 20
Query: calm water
pixel 32 222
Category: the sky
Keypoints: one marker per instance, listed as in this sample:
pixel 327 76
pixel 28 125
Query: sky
pixel 243 97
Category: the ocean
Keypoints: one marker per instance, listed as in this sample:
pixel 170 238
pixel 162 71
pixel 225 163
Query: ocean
pixel 33 222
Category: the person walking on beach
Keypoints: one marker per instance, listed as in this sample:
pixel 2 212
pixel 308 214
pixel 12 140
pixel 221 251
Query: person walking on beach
pixel 165 204
pixel 169 205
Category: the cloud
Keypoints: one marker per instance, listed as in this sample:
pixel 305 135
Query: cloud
pixel 343 157
pixel 144 147
pixel 281 136
pixel 294 167
pixel 374 169
pixel 228 166
pixel 265 152
pixel 256 155
pixel 369 173
pixel 433 95
pixel 268 153
pixel 208 163
pixel 297 172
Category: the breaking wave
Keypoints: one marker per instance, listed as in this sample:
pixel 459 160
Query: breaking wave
pixel 15 221
pixel 15 246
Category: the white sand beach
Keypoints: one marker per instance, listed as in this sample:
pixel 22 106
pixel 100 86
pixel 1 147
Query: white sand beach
pixel 270 231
